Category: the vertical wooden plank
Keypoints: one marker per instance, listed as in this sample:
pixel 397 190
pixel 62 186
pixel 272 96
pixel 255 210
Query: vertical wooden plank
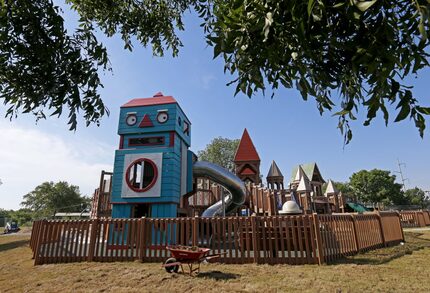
pixel 84 228
pixel 104 252
pixel 312 239
pixel 195 230
pixel 48 242
pixel 277 233
pixel 248 234
pixel 299 228
pixel 72 257
pixel 354 226
pixel 58 231
pixel 289 237
pixel 227 237
pixel 262 227
pixel 86 241
pixel 255 238
pixel 239 228
pixel 319 243
pixel 142 239
pixel 78 240
pixel 281 223
pixel 92 242
pixel 38 244
pixel 121 243
pixel 305 227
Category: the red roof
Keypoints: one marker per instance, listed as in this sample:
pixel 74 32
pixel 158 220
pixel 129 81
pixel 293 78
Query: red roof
pixel 157 99
pixel 246 150
pixel 247 171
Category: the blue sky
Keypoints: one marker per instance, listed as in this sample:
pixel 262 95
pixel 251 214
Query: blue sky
pixel 285 129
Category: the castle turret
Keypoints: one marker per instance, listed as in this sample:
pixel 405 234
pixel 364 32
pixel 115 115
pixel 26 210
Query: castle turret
pixel 275 179
pixel 247 160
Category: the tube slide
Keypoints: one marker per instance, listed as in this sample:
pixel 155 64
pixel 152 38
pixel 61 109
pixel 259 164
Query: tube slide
pixel 231 182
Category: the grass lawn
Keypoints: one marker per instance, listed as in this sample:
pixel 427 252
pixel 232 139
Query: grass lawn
pixel 404 268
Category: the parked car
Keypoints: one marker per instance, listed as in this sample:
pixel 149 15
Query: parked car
pixel 11 227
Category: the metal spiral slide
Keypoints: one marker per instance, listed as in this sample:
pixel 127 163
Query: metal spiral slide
pixel 231 182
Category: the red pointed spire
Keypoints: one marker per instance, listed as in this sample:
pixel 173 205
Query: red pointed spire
pixel 246 150
pixel 146 122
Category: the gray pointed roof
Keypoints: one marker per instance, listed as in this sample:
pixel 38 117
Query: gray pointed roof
pixel 274 171
pixel 331 189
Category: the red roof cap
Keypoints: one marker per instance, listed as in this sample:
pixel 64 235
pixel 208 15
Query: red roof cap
pixel 157 99
pixel 247 171
pixel 246 150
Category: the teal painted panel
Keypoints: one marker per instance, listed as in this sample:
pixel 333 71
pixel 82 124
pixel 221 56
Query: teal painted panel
pixel 190 171
pixel 152 112
pixel 121 211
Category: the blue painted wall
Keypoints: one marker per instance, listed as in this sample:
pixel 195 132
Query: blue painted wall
pixel 166 202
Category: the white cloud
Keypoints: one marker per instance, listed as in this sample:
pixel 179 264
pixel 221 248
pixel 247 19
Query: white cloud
pixel 29 157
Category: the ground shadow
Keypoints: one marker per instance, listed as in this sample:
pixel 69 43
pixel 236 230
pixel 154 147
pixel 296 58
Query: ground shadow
pixel 12 245
pixel 384 255
pixel 217 275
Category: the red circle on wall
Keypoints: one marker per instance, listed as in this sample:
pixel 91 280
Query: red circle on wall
pixel 131 170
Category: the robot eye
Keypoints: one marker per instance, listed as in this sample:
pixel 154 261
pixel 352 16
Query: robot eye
pixel 162 117
pixel 131 119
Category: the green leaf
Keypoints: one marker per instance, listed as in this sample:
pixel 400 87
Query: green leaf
pixel 422 30
pixel 424 110
pixel 404 112
pixel 311 4
pixel 363 5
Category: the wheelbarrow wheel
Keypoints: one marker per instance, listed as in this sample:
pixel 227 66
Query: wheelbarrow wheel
pixel 171 269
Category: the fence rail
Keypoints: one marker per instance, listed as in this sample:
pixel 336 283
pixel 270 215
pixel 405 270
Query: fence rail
pixel 411 219
pixel 304 239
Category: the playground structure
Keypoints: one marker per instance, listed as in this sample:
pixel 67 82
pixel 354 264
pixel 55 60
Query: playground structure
pixel 155 175
pixel 159 196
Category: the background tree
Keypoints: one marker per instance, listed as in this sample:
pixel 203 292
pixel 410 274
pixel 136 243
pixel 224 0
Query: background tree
pixel 220 151
pixel 416 196
pixel 49 197
pixel 345 54
pixel 376 186
pixel 21 216
pixel 43 67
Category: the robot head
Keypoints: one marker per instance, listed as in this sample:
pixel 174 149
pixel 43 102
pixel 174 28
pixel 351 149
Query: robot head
pixel 151 121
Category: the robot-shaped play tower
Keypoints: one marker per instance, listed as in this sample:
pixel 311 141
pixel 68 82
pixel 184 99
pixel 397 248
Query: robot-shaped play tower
pixel 153 166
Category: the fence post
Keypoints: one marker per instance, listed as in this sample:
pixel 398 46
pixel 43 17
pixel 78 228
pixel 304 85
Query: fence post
pixel 354 225
pixel 254 238
pixel 142 240
pixel 381 227
pixel 94 228
pixel 319 245
pixel 195 229
pixel 400 223
pixel 39 240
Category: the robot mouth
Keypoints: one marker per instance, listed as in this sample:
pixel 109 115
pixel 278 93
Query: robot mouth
pixel 146 122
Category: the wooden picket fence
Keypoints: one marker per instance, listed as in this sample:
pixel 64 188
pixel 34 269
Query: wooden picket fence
pixel 304 239
pixel 411 219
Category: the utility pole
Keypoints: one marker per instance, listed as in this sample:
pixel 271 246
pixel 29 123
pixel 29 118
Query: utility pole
pixel 401 174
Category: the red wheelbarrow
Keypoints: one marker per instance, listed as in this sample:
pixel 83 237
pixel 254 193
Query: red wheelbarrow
pixel 189 255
